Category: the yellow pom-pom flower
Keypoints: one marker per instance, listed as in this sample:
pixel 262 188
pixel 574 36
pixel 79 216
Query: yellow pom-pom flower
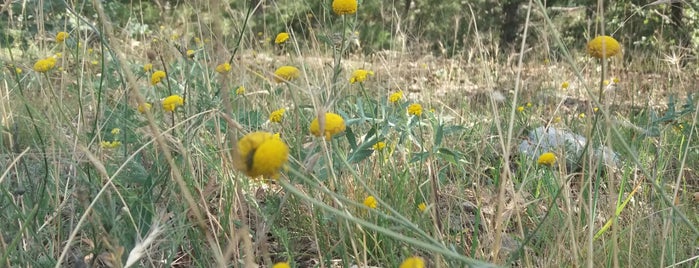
pixel 603 47
pixel 547 159
pixel 395 97
pixel 223 68
pixel 520 109
pixel 370 202
pixel 143 107
pixel 240 90
pixel 379 146
pixel 276 116
pixel 156 77
pixel 172 102
pixel 422 207
pixel 360 75
pixel 261 154
pixel 281 38
pixel 110 144
pixel 147 67
pixel 344 7
pixel 45 65
pixel 286 73
pixel 61 37
pixel 415 109
pixel 565 85
pixel 334 124
pixel 413 262
pixel 190 53
pixel 281 265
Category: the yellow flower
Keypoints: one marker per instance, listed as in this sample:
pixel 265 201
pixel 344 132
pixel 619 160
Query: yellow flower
pixel 143 107
pixel 415 109
pixel 547 159
pixel 276 116
pixel 565 85
pixel 18 70
pixel 370 202
pixel 58 55
pixel 281 38
pixel 595 109
pixel 61 36
pixel 172 102
pixel 261 154
pixel 147 67
pixel 345 7
pixel 333 124
pixel 190 53
pixel 379 146
pixel 240 90
pixel 110 144
pixel 360 75
pixel 281 265
pixel 156 77
pixel 603 47
pixel 116 131
pixel 581 116
pixel 223 68
pixel 615 80
pixel 197 40
pixel 395 97
pixel 529 104
pixel 413 262
pixel 605 82
pixel 520 109
pixel 94 62
pixel 286 73
pixel 45 65
pixel 422 207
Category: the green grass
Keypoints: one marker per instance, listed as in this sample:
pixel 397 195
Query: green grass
pixel 172 182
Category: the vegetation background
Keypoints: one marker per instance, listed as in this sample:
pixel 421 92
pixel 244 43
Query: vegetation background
pixel 449 185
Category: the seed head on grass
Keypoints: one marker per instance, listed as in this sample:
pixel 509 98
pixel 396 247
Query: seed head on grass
pixel 172 102
pixel 277 116
pixel 261 154
pixel 370 202
pixel 360 75
pixel 45 65
pixel 413 262
pixel 61 37
pixel 281 38
pixel 286 73
pixel 547 159
pixel 156 77
pixel 334 124
pixel 415 109
pixel 603 47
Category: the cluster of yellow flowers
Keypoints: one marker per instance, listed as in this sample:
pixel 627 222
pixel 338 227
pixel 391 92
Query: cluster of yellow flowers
pixel 114 143
pixel 281 38
pixel 157 76
pixel 360 75
pixel 261 154
pixel 172 102
pixel 413 262
pixel 286 73
pixel 344 7
pixel 332 125
pixel 61 37
pixel 276 116
pixel 603 47
pixel 45 65
pixel 370 201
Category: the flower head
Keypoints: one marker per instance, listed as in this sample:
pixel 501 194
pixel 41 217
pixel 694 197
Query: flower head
pixel 603 47
pixel 156 77
pixel 147 67
pixel 360 75
pixel 223 68
pixel 261 154
pixel 415 109
pixel 379 146
pixel 520 109
pixel 110 144
pixel 286 73
pixel 395 97
pixel 345 7
pixel 413 262
pixel 45 65
pixel 172 102
pixel 18 70
pixel 240 90
pixel 276 116
pixel 190 53
pixel 422 207
pixel 61 37
pixel 333 124
pixel 370 202
pixel 281 38
pixel 143 107
pixel 565 85
pixel 547 159
pixel 281 265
